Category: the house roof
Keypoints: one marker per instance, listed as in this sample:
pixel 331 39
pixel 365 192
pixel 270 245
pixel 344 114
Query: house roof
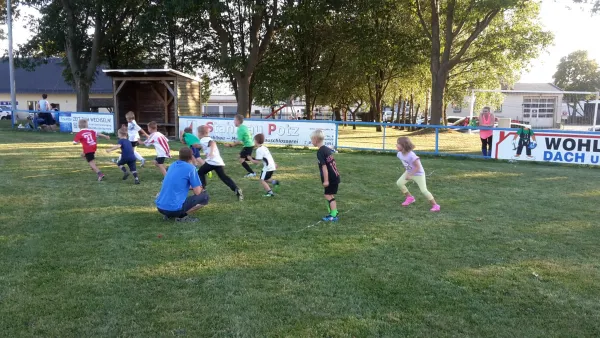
pixel 147 73
pixel 547 87
pixel 47 78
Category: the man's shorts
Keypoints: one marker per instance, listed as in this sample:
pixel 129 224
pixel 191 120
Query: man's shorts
pixel 134 143
pixel 196 152
pixel 90 156
pixel 246 151
pixel 160 160
pixel 190 202
pixel 332 189
pixel 266 175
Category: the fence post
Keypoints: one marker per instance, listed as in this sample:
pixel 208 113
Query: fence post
pixel 595 111
pixel 437 140
pixel 337 135
pixel 384 129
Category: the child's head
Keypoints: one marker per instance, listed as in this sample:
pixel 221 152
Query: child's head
pixel 83 123
pixel 259 139
pixel 238 120
pixel 187 130
pixel 203 131
pixel 404 144
pixel 486 110
pixel 152 127
pixel 122 133
pixel 185 154
pixel 130 116
pixel 317 137
pixel 44 96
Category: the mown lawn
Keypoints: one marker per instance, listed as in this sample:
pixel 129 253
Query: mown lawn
pixel 514 252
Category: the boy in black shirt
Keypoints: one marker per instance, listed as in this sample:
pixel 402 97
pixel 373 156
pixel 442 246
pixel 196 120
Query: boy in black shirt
pixel 330 176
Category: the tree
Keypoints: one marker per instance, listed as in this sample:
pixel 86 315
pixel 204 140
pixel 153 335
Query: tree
pixel 243 30
pixel 205 90
pixel 576 72
pixel 454 29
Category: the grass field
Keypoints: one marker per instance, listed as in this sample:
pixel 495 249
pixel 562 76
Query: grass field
pixel 513 253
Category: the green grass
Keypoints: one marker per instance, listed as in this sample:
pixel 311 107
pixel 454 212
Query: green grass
pixel 514 252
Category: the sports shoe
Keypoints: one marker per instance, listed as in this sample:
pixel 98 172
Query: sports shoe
pixel 408 201
pixel 269 195
pixel 186 219
pixel 100 177
pixel 165 218
pixel 137 181
pixel 329 218
pixel 276 185
pixel 209 174
pixel 435 208
pixel 125 176
pixel 240 194
pixel 250 175
pixel 143 162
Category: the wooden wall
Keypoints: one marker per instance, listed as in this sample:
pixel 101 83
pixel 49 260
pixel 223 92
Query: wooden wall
pixel 188 97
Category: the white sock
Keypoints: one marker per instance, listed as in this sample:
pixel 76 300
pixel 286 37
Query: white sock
pixel 138 156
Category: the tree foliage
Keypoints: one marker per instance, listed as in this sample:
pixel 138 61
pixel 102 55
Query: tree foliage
pixel 577 72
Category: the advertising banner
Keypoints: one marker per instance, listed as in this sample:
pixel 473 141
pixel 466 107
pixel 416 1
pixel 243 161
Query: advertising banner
pixel 103 123
pixel 281 132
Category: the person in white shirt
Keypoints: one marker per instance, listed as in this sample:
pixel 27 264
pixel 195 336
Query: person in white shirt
pixel 133 134
pixel 214 162
pixel 263 155
pixel 161 145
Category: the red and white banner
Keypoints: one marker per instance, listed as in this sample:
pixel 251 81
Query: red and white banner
pixel 276 131
pixel 550 147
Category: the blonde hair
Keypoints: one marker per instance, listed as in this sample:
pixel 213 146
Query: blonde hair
pixel 318 135
pixel 202 130
pixel 153 125
pixel 130 115
pixel 239 117
pixel 406 144
pixel 83 123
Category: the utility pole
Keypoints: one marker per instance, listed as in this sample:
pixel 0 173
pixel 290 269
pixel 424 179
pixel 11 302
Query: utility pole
pixel 11 62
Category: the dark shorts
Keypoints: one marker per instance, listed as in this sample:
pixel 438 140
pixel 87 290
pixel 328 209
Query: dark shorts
pixel 332 189
pixel 130 164
pixel 134 143
pixel 90 156
pixel 266 175
pixel 196 152
pixel 246 151
pixel 160 160
pixel 189 203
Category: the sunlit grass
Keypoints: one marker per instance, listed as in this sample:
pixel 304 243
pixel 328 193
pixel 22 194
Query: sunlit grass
pixel 514 252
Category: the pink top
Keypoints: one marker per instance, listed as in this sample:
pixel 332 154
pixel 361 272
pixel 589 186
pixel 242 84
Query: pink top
pixel 408 160
pixel 486 120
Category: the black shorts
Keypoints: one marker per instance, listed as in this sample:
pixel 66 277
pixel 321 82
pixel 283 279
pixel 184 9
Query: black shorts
pixel 196 152
pixel 266 175
pixel 130 164
pixel 246 151
pixel 90 156
pixel 332 189
pixel 160 160
pixel 189 203
pixel 134 143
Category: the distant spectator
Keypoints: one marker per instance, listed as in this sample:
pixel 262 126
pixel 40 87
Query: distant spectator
pixel 486 119
pixel 45 118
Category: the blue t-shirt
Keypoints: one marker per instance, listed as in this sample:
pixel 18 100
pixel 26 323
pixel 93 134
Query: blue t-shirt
pixel 126 150
pixel 180 176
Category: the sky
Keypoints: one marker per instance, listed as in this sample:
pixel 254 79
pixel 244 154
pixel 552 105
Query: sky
pixel 572 25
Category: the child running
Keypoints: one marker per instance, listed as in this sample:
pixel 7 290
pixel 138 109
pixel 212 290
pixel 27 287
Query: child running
pixel 214 162
pixel 414 171
pixel 263 155
pixel 330 176
pixel 133 133
pixel 161 145
pixel 89 142
pixel 127 156
pixel 244 137
pixel 188 138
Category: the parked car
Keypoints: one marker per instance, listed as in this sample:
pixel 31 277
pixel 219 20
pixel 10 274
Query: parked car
pixel 592 129
pixel 450 120
pixel 5 113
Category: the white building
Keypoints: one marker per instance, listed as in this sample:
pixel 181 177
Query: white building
pixel 541 110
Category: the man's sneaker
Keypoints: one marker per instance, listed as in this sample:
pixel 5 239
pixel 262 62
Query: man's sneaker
pixel 276 185
pixel 125 176
pixel 269 195
pixel 250 175
pixel 137 181
pixel 143 162
pixel 165 218
pixel 408 201
pixel 329 218
pixel 186 219
pixel 240 194
pixel 100 177
pixel 435 208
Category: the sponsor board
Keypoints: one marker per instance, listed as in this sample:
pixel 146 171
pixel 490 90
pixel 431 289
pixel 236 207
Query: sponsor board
pixel 103 123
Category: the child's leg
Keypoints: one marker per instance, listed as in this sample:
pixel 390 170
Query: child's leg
pixel 422 183
pixel 225 179
pixel 265 185
pixel 401 183
pixel 133 169
pixel 162 168
pixel 489 142
pixel 520 148
pixel 331 205
pixel 244 154
pixel 94 167
pixel 202 171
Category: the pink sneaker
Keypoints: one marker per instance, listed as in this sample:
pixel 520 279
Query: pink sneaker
pixel 409 200
pixel 435 208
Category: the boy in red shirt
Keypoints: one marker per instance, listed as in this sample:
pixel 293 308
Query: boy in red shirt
pixel 88 139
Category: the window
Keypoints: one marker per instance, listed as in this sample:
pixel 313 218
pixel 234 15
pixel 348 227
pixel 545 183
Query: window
pixel 211 110
pixel 539 107
pixel 229 111
pixel 31 105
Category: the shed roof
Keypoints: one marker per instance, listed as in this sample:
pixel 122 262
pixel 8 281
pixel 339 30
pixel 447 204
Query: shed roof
pixel 147 73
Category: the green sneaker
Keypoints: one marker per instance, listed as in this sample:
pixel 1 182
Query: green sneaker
pixel 269 195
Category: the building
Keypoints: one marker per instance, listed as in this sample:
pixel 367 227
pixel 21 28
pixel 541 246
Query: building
pixel 538 104
pixel 47 78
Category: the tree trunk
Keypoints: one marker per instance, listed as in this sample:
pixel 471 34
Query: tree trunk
pixel 83 96
pixel 307 101
pixel 354 119
pixel 425 118
pixel 438 84
pixel 337 113
pixel 243 84
pixel 403 114
pixel 411 111
pixel 398 111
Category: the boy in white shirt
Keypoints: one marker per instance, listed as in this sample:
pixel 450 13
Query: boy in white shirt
pixel 161 144
pixel 214 162
pixel 263 155
pixel 133 133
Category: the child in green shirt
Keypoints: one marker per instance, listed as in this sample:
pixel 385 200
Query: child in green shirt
pixel 244 137
pixel 188 138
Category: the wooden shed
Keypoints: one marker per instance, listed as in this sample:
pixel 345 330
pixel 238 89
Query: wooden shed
pixel 160 95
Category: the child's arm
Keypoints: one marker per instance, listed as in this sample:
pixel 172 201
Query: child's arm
pixel 233 144
pixel 325 175
pixel 253 160
pixel 181 136
pixel 212 146
pixel 102 135
pixel 117 146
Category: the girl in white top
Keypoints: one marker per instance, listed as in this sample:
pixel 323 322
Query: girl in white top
pixel 263 155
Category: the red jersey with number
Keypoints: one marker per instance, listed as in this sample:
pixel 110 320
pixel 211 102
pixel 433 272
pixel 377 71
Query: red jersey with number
pixel 88 139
